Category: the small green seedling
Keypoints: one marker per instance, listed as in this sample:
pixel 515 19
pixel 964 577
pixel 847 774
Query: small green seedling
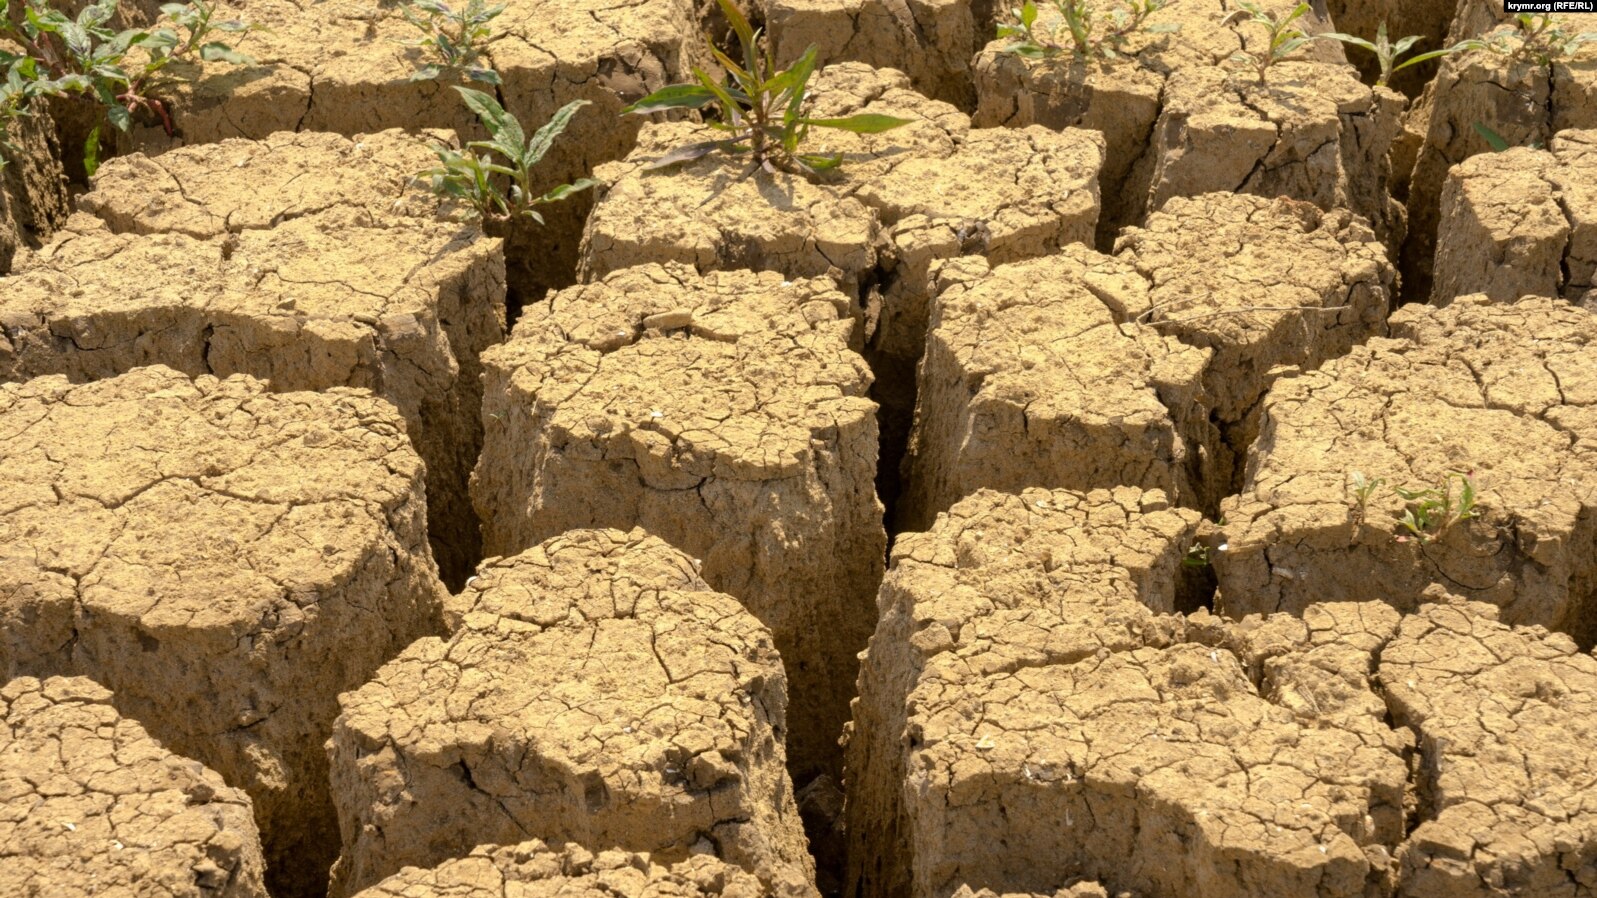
pixel 121 70
pixel 1540 38
pixel 456 38
pixel 1432 511
pixel 1363 488
pixel 1284 37
pixel 761 109
pixel 1387 52
pixel 468 177
pixel 1196 557
pixel 1079 32
pixel 1498 142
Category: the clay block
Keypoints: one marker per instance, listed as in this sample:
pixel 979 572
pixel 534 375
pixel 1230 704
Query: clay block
pixel 662 733
pixel 932 41
pixel 91 805
pixel 1521 101
pixel 1520 223
pixel 1502 390
pixel 723 413
pixel 1031 378
pixel 1003 582
pixel 1507 720
pixel 33 189
pixel 312 286
pixel 226 560
pixel 569 871
pixel 1262 284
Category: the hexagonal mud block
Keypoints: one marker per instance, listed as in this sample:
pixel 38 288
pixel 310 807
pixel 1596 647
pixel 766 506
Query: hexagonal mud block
pixel 226 560
pixel 314 285
pixel 723 413
pixel 1034 717
pixel 662 734
pixel 1007 582
pixel 932 41
pixel 1263 284
pixel 91 805
pixel 1503 390
pixel 33 194
pixel 1032 378
pixel 1507 720
pixel 1521 223
pixel 1522 102
pixel 569 871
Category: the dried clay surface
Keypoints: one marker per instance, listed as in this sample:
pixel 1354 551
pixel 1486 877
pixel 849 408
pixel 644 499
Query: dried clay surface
pixel 226 560
pixel 1032 714
pixel 298 275
pixel 536 870
pixel 1507 780
pixel 723 413
pixel 33 190
pixel 1502 391
pixel 1521 223
pixel 594 690
pixel 92 806
pixel 1522 101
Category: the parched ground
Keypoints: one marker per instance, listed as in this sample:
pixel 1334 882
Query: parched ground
pixel 663 733
pixel 724 413
pixel 91 805
pixel 225 560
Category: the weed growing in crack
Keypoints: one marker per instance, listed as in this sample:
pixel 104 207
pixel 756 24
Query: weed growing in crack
pixel 473 179
pixel 1081 31
pixel 457 38
pixel 1498 142
pixel 1285 38
pixel 761 108
pixel 1363 488
pixel 121 70
pixel 1432 510
pixel 1387 52
pixel 1542 39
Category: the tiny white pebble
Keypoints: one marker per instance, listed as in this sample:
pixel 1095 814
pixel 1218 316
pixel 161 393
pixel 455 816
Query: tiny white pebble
pixel 656 414
pixel 1222 547
pixel 71 827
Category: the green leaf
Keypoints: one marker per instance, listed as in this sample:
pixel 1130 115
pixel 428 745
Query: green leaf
pixel 91 152
pixel 798 79
pixel 486 76
pixel 1347 39
pixel 1492 138
pixel 493 116
pixel 544 137
pixel 428 72
pixel 689 152
pixel 821 163
pixel 729 106
pixel 565 190
pixel 1028 14
pixel 677 96
pixel 745 31
pixel 119 117
pixel 863 123
pixel 1423 57
pixel 220 52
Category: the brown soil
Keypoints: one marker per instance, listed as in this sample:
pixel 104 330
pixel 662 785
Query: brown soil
pixel 1502 390
pixel 536 870
pixel 1507 720
pixel 225 560
pixel 664 734
pixel 301 277
pixel 725 414
pixel 1521 223
pixel 33 190
pixel 1041 717
pixel 91 805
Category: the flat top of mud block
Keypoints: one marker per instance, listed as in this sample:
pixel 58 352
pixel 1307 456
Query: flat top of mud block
pixel 237 185
pixel 727 374
pixel 206 509
pixel 92 805
pixel 536 870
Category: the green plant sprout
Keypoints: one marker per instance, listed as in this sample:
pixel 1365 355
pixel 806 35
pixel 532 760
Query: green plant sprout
pixel 1076 22
pixel 466 176
pixel 122 71
pixel 456 37
pixel 1498 142
pixel 761 109
pixel 1387 52
pixel 1285 38
pixel 1432 510
pixel 1541 38
pixel 1363 488
pixel 1196 557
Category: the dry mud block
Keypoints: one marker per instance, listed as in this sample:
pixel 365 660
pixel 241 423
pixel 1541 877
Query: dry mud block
pixel 1521 223
pixel 1033 377
pixel 33 190
pixel 1030 714
pixel 1507 788
pixel 723 413
pixel 536 870
pixel 346 296
pixel 1503 390
pixel 226 560
pixel 1261 284
pixel 1521 101
pixel 594 690
pixel 92 806
pixel 932 41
